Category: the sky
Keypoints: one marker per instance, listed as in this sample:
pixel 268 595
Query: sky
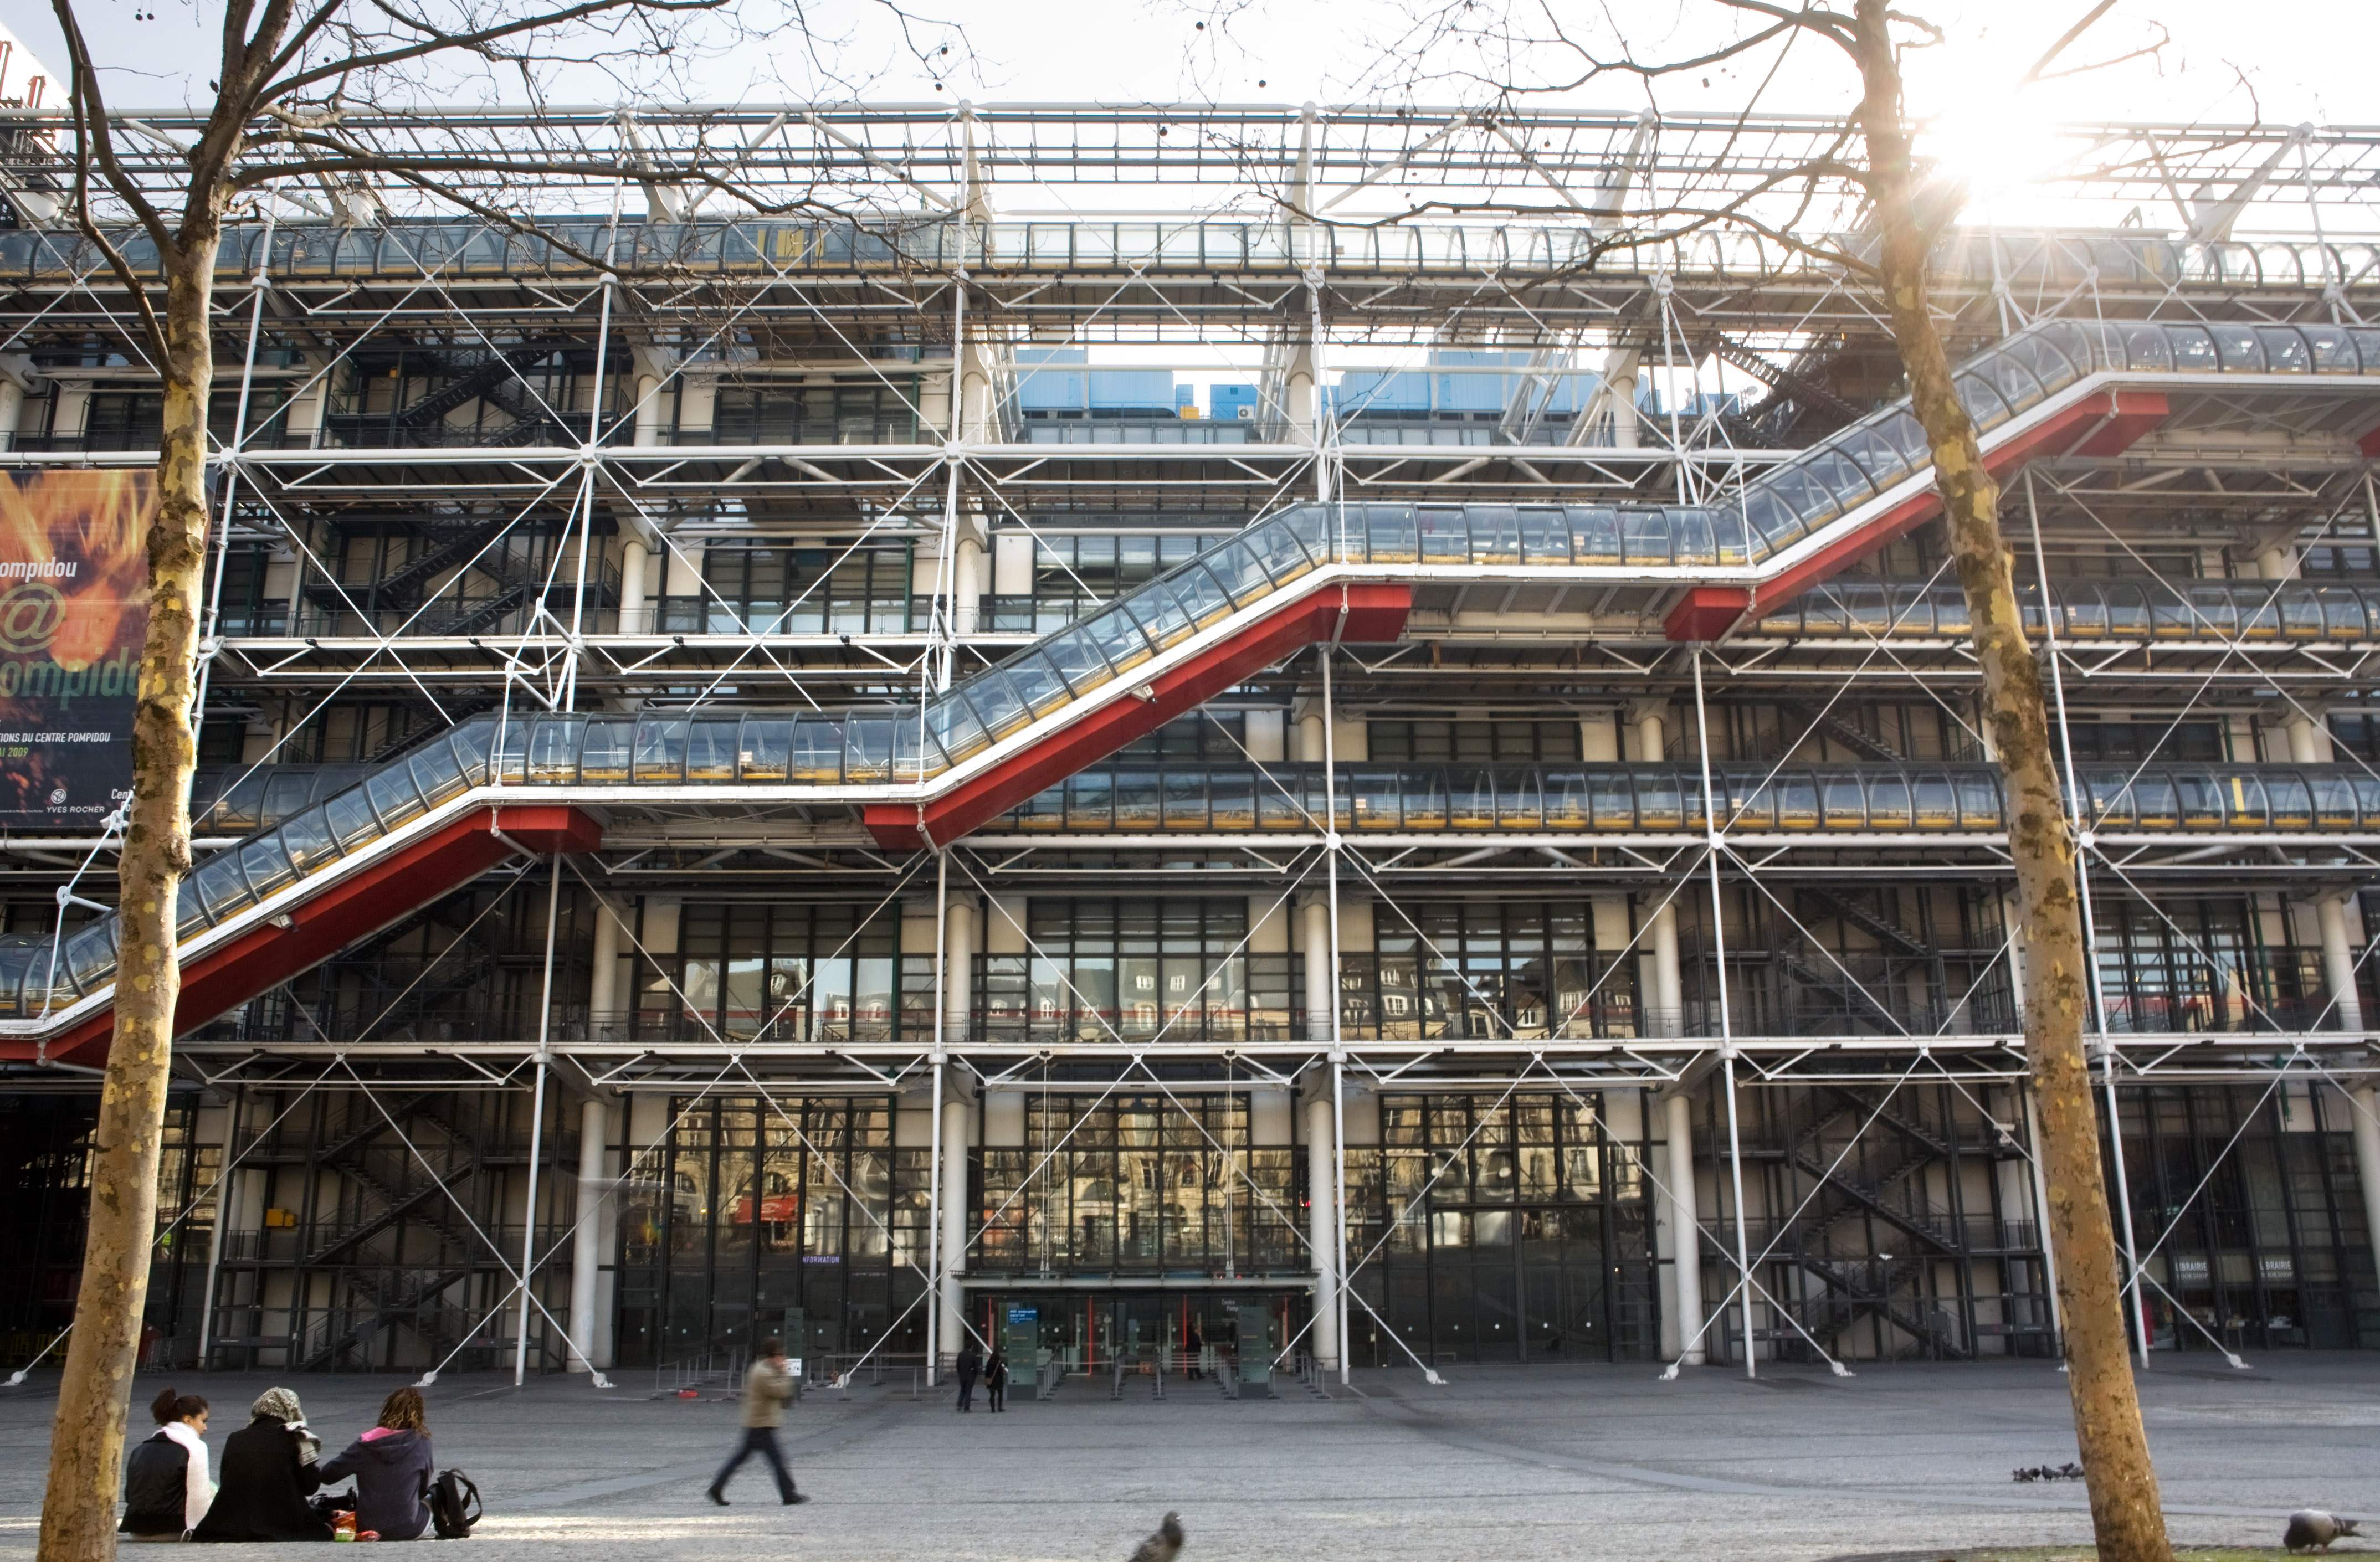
pixel 2296 60
pixel 2301 60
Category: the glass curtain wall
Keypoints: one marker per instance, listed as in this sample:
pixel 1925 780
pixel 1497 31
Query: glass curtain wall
pixel 2276 1249
pixel 1485 971
pixel 1492 1228
pixel 793 1218
pixel 789 973
pixel 784 590
pixel 1139 1185
pixel 1137 970
pixel 2200 965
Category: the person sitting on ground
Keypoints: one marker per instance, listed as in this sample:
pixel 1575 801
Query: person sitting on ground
pixel 165 1485
pixel 270 1467
pixel 392 1466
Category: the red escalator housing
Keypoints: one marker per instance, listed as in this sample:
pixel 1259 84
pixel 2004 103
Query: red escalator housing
pixel 2102 425
pixel 351 908
pixel 1366 614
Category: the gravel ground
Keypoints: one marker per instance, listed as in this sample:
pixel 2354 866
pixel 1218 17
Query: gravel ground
pixel 1513 1463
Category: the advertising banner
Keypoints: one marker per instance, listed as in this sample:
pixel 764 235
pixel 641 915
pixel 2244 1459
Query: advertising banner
pixel 74 608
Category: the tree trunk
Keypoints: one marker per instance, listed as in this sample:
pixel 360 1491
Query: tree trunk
pixel 2124 1508
pixel 87 1439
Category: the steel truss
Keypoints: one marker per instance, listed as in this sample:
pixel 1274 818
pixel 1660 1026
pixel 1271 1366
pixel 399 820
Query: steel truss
pixel 554 428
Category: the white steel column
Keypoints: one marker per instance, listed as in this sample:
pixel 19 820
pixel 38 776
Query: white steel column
pixel 1314 917
pixel 2363 1115
pixel 1685 1239
pixel 1726 1022
pixel 958 969
pixel 537 1133
pixel 1322 1221
pixel 229 1181
pixel 966 582
pixel 12 398
pixel 958 1138
pixel 1668 1015
pixel 636 565
pixel 605 1020
pixel 2339 964
pixel 587 1243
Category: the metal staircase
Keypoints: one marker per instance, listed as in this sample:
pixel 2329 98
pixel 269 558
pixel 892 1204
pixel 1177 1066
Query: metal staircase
pixel 402 1202
pixel 1888 1189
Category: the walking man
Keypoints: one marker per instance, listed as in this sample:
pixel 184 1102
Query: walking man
pixel 768 1388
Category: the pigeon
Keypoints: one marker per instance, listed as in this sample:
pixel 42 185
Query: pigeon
pixel 1164 1545
pixel 2313 1530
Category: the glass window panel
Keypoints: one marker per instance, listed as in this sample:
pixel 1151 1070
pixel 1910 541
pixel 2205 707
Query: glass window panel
pixel 308 839
pixel 1594 534
pixel 997 703
pixel 1036 682
pixel 868 749
pixel 764 748
pixel 1078 659
pixel 1203 595
pixel 606 754
pixel 817 750
pixel 393 796
pixel 661 749
pixel 711 750
pixel 266 865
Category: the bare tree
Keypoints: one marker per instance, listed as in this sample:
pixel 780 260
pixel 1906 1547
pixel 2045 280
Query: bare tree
pixel 1874 157
pixel 291 76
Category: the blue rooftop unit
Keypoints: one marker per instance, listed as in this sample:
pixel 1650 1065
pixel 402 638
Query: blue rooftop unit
pixel 1059 381
pixel 1232 403
pixel 1409 392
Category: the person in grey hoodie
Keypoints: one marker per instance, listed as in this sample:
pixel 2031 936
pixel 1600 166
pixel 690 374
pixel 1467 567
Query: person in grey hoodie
pixel 392 1466
pixel 768 1388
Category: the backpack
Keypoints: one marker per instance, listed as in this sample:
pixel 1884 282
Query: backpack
pixel 454 1505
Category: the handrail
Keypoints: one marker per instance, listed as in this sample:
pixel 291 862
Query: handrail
pixel 1782 513
pixel 461 248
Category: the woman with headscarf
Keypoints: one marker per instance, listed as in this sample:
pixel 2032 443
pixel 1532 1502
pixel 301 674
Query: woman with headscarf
pixel 270 1467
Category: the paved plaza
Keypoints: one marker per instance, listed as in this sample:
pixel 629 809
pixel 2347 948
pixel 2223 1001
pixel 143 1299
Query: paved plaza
pixel 1506 1463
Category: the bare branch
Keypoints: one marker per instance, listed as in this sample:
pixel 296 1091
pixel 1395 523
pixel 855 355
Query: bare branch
pixel 477 40
pixel 2069 36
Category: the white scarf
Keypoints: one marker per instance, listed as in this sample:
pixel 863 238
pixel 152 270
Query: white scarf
pixel 198 1492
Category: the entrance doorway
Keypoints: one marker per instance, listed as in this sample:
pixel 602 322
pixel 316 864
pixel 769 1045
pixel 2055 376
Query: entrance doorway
pixel 1088 1331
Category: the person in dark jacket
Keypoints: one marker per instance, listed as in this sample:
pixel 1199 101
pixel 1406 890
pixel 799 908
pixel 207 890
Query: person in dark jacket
pixel 995 1380
pixel 270 1467
pixel 165 1486
pixel 970 1365
pixel 393 1469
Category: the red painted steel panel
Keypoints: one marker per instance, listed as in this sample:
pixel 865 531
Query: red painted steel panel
pixel 1364 614
pixel 343 911
pixel 2103 424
